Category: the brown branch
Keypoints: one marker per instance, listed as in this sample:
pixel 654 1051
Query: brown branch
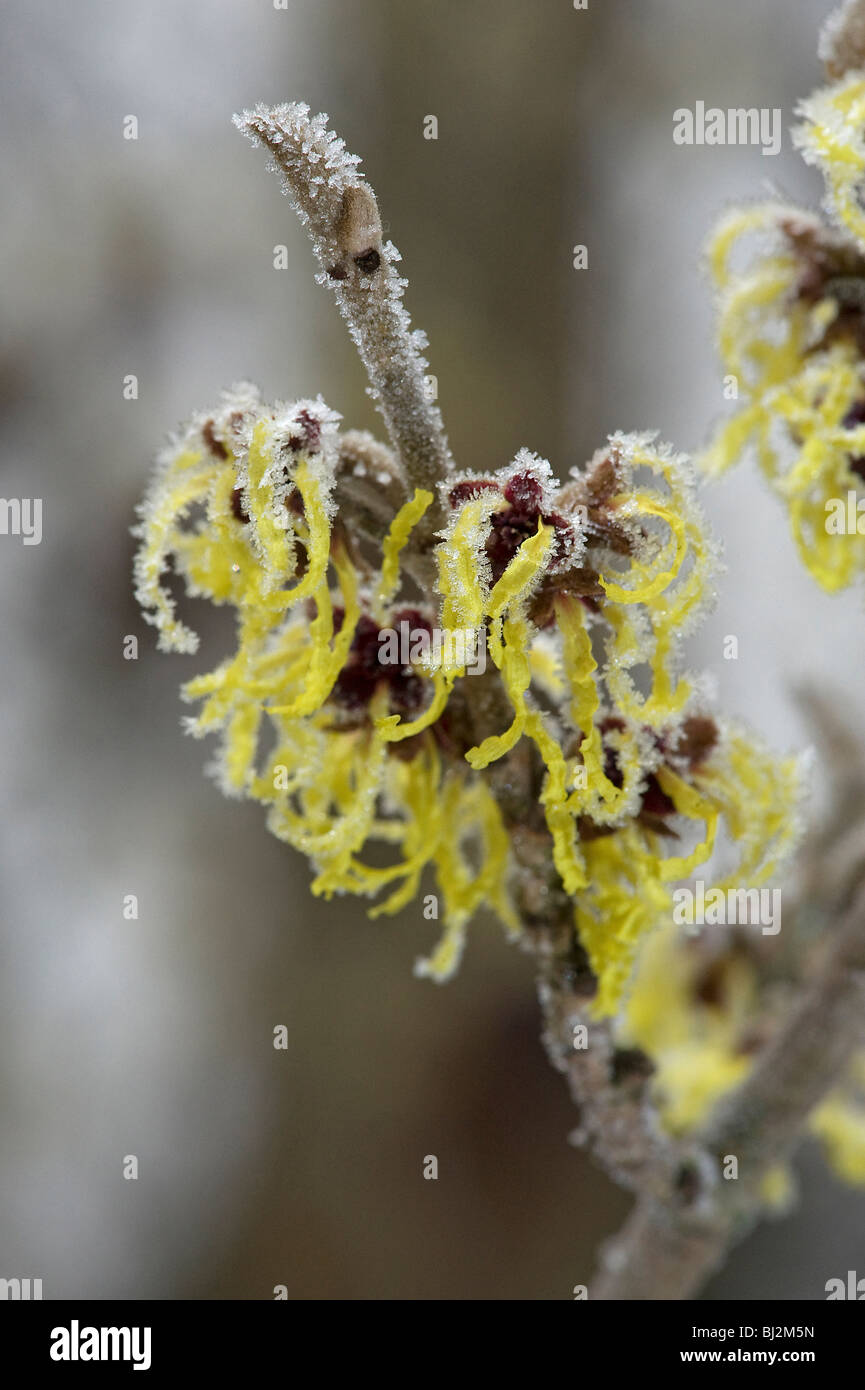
pixel 687 1216
pixel 339 210
pixel 762 1120
pixel 667 1248
pixel 609 1085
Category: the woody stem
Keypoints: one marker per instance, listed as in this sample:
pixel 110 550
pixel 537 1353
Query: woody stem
pixel 668 1247
pixel 340 213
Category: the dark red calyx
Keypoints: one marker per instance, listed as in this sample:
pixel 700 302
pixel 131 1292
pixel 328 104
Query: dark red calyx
pixel 519 520
pixel 655 801
pixel 305 432
pixel 525 494
pixel 364 671
pixel 469 488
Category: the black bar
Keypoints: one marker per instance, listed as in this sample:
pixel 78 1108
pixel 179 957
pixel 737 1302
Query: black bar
pixel 222 1339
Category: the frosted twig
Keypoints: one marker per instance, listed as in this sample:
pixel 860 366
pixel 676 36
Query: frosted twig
pixel 339 210
pixel 608 1085
pixel 668 1246
pixel 667 1249
pixel 685 1219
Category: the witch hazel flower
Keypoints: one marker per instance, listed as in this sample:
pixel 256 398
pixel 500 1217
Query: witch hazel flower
pixel 791 308
pixel 475 679
pixel 323 541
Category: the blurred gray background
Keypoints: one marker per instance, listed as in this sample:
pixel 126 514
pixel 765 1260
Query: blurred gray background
pixel 154 257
